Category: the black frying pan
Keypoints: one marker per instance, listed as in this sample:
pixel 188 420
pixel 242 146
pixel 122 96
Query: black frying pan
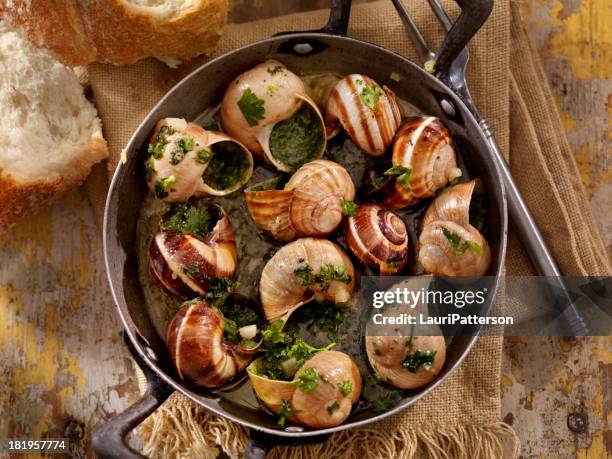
pixel 327 49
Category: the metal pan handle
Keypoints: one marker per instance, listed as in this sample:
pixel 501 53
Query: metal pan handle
pixel 337 24
pixel 108 440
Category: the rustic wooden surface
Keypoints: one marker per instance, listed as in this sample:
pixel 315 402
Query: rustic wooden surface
pixel 63 367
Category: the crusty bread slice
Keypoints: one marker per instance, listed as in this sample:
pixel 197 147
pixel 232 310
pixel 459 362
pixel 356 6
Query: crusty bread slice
pixel 50 133
pixel 120 31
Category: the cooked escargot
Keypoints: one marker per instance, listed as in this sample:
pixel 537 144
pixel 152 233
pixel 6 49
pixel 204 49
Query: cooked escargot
pixel 200 349
pixel 321 394
pixel 423 161
pixel 194 247
pixel 448 244
pixel 378 238
pixel 185 161
pixel 302 271
pixel 369 114
pixel 309 205
pixel 267 109
pixel 406 362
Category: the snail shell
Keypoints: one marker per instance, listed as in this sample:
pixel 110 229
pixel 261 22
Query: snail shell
pixel 326 405
pixel 176 172
pixel 424 145
pixel 197 350
pixel 372 127
pixel 438 255
pixel 282 96
pixel 281 290
pixel 310 204
pixel 378 238
pixel 386 355
pixel 453 204
pixel 311 409
pixel 184 264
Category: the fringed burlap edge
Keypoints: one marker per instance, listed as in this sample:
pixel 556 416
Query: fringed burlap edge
pixel 177 431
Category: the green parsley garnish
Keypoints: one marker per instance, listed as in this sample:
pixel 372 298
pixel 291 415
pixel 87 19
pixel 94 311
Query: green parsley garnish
pixel 403 174
pixel 413 361
pixel 459 248
pixel 346 387
pixel 191 270
pixel 387 402
pixel 326 275
pixel 248 344
pixel 157 149
pixel 149 170
pixel 349 208
pixel 333 407
pixel 162 186
pixel 274 70
pixel 219 290
pixel 284 413
pixel 359 81
pixel 307 380
pixel 323 317
pixel 370 95
pixel 186 143
pixel 203 156
pixel 194 218
pixel 252 107
pixel 272 89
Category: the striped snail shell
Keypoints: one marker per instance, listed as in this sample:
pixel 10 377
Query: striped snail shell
pixel 448 244
pixel 198 350
pixel 185 263
pixel 186 161
pixel 369 114
pixel 424 146
pixel 378 238
pixel 284 284
pixel 265 108
pixel 310 204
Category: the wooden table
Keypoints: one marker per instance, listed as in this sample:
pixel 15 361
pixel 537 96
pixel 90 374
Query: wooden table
pixel 63 366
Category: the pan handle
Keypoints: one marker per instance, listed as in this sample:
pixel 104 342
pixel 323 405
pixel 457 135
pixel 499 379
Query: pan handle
pixel 108 440
pixel 337 24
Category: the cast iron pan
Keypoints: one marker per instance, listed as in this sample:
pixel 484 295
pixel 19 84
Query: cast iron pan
pixel 327 49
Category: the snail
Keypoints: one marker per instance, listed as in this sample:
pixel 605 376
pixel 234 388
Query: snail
pixel 378 238
pixel 369 114
pixel 185 161
pixel 309 205
pixel 267 109
pixel 406 362
pixel 423 160
pixel 194 246
pixel 448 244
pixel 321 394
pixel 199 350
pixel 305 270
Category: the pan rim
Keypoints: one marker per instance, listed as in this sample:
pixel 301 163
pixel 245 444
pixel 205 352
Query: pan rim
pixel 130 328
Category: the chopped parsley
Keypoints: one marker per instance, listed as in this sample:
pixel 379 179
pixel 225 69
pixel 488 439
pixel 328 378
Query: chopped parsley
pixel 274 334
pixel 157 149
pixel 149 170
pixel 332 407
pixel 203 156
pixel 183 146
pixel 194 218
pixel 162 186
pixel 349 208
pixel 248 344
pixel 346 387
pixel 359 81
pixel 326 275
pixel 413 361
pixel 252 107
pixel 272 89
pixel 387 402
pixel 370 95
pixel 459 248
pixel 403 175
pixel 274 70
pixel 191 270
pixel 307 380
pixel 235 316
pixel 322 316
pixel 219 289
pixel 285 412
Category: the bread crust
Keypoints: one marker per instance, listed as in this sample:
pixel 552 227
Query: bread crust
pixel 19 199
pixel 79 32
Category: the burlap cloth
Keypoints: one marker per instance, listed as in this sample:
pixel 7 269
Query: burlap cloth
pixel 462 417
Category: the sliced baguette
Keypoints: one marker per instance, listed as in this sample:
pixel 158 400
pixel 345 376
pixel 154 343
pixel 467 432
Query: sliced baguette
pixel 50 133
pixel 120 31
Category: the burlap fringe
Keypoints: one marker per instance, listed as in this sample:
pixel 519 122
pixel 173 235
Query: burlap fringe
pixel 186 431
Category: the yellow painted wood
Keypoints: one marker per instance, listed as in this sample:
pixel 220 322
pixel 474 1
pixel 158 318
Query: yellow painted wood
pixel 63 366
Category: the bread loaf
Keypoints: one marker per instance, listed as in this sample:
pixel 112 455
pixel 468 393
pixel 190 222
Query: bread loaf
pixel 49 132
pixel 120 31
